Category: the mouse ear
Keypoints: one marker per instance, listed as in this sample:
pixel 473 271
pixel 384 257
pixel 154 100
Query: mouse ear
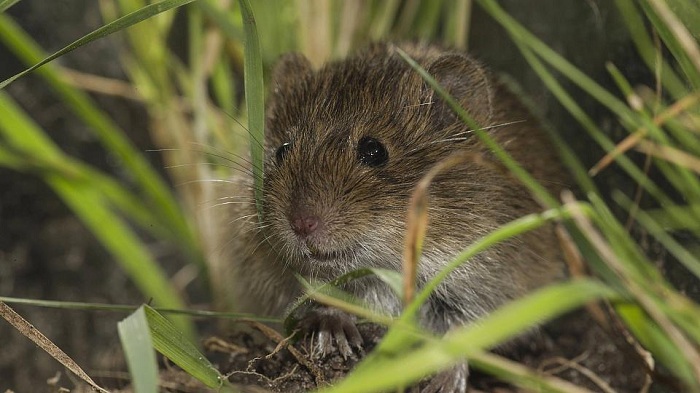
pixel 289 68
pixel 468 82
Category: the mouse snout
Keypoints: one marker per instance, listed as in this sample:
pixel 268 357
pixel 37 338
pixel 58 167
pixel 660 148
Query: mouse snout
pixel 304 224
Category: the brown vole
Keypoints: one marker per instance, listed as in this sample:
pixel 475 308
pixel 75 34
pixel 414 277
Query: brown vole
pixel 345 147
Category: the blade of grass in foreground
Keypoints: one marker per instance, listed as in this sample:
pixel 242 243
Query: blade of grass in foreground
pixel 136 341
pixel 171 343
pixel 117 25
pixel 385 373
pixel 254 98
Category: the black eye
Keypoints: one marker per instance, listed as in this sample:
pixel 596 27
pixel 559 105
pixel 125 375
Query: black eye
pixel 371 152
pixel 282 151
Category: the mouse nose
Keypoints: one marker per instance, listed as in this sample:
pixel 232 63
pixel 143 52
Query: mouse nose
pixel 305 225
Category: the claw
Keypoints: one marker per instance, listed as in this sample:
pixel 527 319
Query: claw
pixel 330 325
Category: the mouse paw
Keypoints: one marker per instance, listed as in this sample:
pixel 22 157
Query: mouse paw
pixel 328 326
pixel 453 380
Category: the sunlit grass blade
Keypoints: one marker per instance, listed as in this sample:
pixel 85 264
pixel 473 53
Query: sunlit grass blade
pixel 511 319
pixel 254 97
pixel 117 25
pixel 135 337
pixel 170 341
pixel 395 338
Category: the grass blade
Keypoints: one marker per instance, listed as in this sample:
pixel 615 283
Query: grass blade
pixel 135 337
pixel 254 98
pixel 406 368
pixel 76 188
pixel 117 25
pixel 5 4
pixel 175 346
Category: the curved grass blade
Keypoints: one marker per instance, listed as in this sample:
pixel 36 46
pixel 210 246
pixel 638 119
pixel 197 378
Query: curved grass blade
pixel 117 25
pixel 254 98
pixel 135 337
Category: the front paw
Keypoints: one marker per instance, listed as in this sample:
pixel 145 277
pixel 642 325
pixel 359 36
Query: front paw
pixel 453 380
pixel 331 330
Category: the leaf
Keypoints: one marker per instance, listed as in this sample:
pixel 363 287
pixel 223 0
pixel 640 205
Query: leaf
pixel 135 337
pixel 254 98
pixel 175 346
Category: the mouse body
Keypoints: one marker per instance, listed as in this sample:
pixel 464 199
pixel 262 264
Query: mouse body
pixel 345 147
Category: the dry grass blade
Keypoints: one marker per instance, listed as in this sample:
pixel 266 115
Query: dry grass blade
pixel 636 137
pixel 671 155
pixel 100 84
pixel 29 331
pixel 417 220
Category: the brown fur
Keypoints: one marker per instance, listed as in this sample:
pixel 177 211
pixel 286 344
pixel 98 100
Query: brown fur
pixel 362 209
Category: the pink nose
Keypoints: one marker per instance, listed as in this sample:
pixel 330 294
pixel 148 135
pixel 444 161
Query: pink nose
pixel 305 225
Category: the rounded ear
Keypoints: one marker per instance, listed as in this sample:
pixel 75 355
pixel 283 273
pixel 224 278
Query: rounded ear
pixel 468 82
pixel 289 69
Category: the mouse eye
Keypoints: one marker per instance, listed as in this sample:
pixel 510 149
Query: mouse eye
pixel 371 152
pixel 282 151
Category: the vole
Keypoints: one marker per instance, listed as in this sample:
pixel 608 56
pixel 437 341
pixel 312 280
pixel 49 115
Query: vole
pixel 344 149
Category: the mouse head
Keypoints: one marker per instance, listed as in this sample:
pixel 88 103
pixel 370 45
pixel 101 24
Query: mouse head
pixel 346 145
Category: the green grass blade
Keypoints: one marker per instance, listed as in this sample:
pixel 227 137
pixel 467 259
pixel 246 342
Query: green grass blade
pixel 511 319
pixel 135 337
pixel 639 33
pixel 117 25
pixel 690 261
pixel 170 341
pixel 76 187
pixel 669 36
pixel 395 338
pixel 649 335
pixel 522 37
pixel 5 4
pixel 254 98
pixel 539 192
pixel 158 197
